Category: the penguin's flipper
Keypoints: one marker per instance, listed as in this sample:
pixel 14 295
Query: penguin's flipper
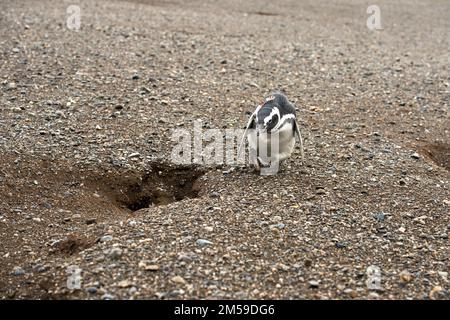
pixel 297 131
pixel 250 124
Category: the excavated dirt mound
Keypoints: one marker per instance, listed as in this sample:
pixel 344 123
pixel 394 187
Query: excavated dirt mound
pixel 87 121
pixel 439 153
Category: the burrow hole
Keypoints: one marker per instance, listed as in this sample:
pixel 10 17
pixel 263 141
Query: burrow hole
pixel 161 184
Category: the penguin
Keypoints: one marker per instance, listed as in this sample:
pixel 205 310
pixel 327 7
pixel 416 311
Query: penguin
pixel 275 117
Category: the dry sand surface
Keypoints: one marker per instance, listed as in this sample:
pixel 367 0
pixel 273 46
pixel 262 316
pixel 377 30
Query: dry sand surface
pixel 86 119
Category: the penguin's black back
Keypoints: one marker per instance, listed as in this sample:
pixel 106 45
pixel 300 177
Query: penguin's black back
pixel 282 103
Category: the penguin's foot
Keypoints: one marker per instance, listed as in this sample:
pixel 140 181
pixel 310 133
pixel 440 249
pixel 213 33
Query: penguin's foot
pixel 271 170
pixel 257 166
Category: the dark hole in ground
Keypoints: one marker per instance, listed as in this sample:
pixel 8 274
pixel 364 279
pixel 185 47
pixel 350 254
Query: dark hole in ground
pixel 439 153
pixel 161 184
pixel 143 202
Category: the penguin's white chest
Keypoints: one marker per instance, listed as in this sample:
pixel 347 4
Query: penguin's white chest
pixel 265 144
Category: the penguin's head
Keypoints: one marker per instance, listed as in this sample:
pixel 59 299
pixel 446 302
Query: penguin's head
pixel 268 116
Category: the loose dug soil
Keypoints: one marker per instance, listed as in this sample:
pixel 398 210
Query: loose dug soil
pixel 439 153
pixel 86 123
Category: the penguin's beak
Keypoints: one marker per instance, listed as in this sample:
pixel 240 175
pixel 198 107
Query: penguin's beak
pixel 260 127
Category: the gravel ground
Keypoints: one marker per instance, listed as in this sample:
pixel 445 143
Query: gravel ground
pixel 85 140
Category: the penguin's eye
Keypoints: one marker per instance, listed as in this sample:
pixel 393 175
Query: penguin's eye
pixel 270 121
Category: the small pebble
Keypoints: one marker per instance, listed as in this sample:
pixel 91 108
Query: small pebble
pixel 436 290
pixel 278 225
pixel 379 216
pixel 115 253
pixel 340 245
pixel 124 284
pixel 320 191
pixel 107 296
pixel 11 86
pixel 18 271
pixel 203 242
pixel 405 276
pixel 92 290
pixel 106 238
pixel 178 280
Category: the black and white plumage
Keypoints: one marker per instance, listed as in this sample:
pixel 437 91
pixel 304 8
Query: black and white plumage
pixel 275 117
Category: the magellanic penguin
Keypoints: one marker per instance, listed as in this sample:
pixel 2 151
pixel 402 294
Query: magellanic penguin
pixel 273 121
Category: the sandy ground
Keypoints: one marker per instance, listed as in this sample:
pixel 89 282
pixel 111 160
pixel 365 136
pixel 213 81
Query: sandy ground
pixel 86 183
